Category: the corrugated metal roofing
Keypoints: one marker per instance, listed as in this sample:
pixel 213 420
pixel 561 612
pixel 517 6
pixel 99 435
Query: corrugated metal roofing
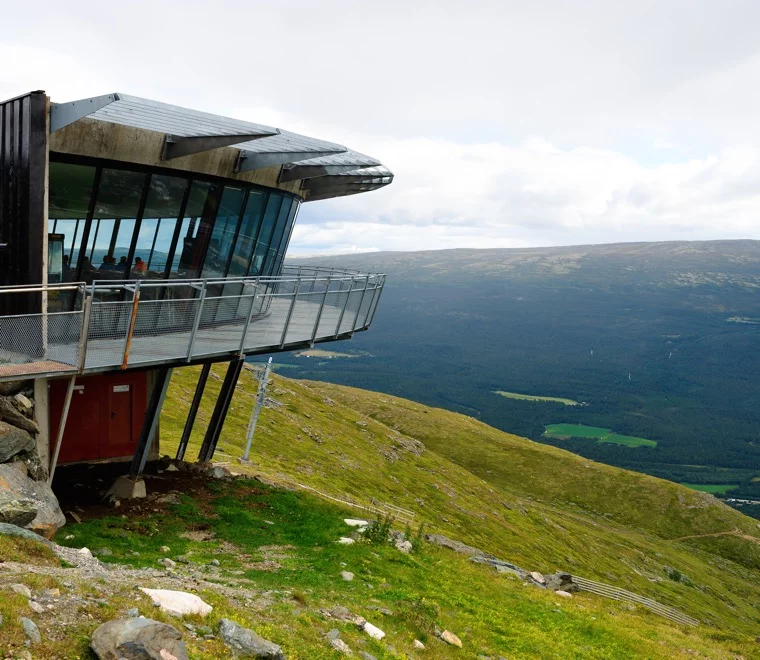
pixel 269 147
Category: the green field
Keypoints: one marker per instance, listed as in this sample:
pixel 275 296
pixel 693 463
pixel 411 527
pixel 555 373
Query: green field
pixel 715 489
pixel 530 397
pixel 597 432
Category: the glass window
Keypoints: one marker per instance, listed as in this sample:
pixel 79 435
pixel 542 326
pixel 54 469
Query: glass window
pixel 279 230
pixel 265 234
pixel 159 225
pixel 70 192
pixel 246 238
pixel 116 207
pixel 223 235
pixel 282 250
pixel 196 229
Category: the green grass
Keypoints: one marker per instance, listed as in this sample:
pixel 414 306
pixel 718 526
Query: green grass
pixel 720 489
pixel 596 432
pixel 530 397
pixel 493 614
pixel 538 506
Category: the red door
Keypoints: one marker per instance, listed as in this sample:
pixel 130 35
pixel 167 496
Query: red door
pixel 105 416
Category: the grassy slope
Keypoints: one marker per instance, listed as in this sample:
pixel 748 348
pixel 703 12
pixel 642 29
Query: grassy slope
pixel 536 505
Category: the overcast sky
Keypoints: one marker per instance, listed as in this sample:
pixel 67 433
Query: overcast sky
pixel 505 123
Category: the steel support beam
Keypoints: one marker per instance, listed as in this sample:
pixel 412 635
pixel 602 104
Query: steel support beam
pixel 298 172
pixel 253 160
pixel 176 146
pixel 61 428
pixel 193 412
pixel 214 429
pixel 150 421
pixel 63 114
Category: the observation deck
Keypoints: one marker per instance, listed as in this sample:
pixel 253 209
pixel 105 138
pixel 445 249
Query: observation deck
pixel 109 325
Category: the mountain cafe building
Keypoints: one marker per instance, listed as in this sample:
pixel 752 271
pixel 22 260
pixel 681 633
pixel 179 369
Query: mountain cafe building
pixel 138 237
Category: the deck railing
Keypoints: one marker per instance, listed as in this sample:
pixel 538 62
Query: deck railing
pixel 110 325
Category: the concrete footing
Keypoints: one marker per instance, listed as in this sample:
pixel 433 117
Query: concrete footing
pixel 126 488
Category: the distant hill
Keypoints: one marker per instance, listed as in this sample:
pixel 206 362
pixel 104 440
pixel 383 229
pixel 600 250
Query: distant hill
pixel 657 340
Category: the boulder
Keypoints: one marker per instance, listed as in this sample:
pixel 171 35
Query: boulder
pixel 451 638
pixel 28 503
pixel 138 638
pixel 13 441
pixel 11 387
pixel 35 468
pixel 10 413
pixel 31 630
pixel 15 530
pixel 372 631
pixel 177 603
pixel 561 582
pixel 347 575
pixel 246 643
pixel 340 646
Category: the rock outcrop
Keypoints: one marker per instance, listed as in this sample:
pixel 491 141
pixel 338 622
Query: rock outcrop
pixel 138 638
pixel 246 643
pixel 27 503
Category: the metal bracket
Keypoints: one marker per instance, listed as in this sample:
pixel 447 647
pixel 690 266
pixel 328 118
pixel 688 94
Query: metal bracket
pixel 176 146
pixel 253 160
pixel 63 114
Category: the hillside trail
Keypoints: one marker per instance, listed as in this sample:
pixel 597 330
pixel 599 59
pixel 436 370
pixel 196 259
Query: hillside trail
pixel 735 532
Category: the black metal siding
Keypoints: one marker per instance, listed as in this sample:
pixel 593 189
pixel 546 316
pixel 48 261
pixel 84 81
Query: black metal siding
pixel 23 143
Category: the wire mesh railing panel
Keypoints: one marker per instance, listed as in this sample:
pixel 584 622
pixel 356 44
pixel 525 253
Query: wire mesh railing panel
pixel 25 347
pixel 107 334
pixel 162 330
pixel 354 299
pixel 64 332
pixel 267 331
pixel 303 318
pixel 365 304
pixel 328 322
pixel 218 331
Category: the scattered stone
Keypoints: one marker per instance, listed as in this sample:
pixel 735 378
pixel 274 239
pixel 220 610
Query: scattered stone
pixel 564 594
pixel 28 503
pixel 125 488
pixel 372 631
pixel 344 540
pixel 133 612
pixel 31 630
pixel 172 468
pixel 164 549
pixel 561 582
pixel 22 590
pixel 35 468
pixel 245 642
pixel 168 563
pixel 85 552
pixel 204 630
pixel 419 645
pixel 214 562
pixel 340 646
pixel 451 638
pixel 341 613
pixel 171 498
pixel 52 593
pixel 177 603
pixel 366 656
pixel 182 559
pixel 268 522
pixel 141 638
pixel 68 537
pixel 103 552
pixel 347 575
pixel 218 472
pixel 538 577
pixel 23 403
pixel 354 522
pixel 36 607
pixel 404 546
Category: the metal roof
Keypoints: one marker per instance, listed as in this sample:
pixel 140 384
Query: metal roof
pixel 191 131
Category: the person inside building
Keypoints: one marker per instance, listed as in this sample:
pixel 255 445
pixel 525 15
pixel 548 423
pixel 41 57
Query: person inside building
pixel 140 267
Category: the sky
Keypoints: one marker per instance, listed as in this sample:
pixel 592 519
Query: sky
pixel 506 124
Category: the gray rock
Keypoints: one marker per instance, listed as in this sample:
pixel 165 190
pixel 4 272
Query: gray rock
pixel 11 387
pixel 204 630
pixel 340 646
pixel 36 607
pixel 23 403
pixel 561 582
pixel 133 612
pixel 138 639
pixel 333 634
pixel 347 575
pixel 404 546
pixel 10 413
pixel 167 562
pixel 456 546
pixel 366 656
pixel 214 562
pixel 103 552
pixel 13 441
pixel 245 642
pixel 22 590
pixel 31 630
pixel 19 496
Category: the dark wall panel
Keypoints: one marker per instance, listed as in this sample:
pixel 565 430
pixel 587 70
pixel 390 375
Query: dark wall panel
pixel 23 139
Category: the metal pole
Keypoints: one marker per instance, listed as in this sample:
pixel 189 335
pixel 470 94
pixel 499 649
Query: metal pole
pixel 61 427
pixel 193 412
pixel 359 308
pixel 84 331
pixel 290 313
pixel 247 323
pixel 345 305
pixel 220 410
pixel 131 328
pixel 150 421
pixel 319 313
pixel 256 410
pixel 377 301
pixel 196 323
